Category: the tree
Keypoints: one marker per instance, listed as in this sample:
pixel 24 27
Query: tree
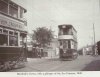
pixel 43 36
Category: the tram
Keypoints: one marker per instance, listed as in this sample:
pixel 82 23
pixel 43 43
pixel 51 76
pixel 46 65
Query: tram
pixel 67 37
pixel 13 31
pixel 98 47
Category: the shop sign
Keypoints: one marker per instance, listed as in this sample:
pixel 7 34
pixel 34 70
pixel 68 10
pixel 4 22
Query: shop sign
pixel 11 24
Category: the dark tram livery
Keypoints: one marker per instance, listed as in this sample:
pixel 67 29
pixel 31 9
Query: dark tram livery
pixel 98 47
pixel 12 35
pixel 67 42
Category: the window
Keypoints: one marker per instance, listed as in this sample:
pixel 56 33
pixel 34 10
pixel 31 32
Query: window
pixel 67 31
pixel 16 34
pixel 69 45
pixel 21 12
pixel 8 37
pixel 5 32
pixel 10 33
pixel 60 31
pixel 13 41
pixel 13 38
pixel 65 44
pixel 3 6
pixel 3 40
pixel 13 10
pixel 0 30
pixel 4 37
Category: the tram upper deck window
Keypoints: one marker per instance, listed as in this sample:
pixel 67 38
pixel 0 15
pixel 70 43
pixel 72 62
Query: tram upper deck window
pixel 4 6
pixel 21 12
pixel 67 31
pixel 13 10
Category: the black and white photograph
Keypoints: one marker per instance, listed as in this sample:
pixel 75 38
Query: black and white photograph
pixel 49 35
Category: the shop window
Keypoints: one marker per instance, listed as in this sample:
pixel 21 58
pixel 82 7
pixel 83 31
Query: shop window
pixel 13 10
pixel 3 6
pixel 3 40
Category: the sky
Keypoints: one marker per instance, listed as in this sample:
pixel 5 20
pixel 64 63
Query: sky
pixel 82 14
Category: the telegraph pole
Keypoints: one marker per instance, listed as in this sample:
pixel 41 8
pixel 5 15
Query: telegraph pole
pixel 95 53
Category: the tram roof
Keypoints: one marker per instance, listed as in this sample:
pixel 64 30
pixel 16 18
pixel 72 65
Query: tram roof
pixel 67 25
pixel 18 5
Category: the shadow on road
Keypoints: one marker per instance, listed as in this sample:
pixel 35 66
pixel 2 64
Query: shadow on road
pixel 93 66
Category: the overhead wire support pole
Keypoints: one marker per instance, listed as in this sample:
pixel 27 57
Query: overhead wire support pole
pixel 95 53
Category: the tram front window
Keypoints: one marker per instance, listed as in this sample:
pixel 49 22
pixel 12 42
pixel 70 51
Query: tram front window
pixel 67 31
pixel 66 44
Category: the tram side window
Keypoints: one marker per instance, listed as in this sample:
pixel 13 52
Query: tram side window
pixel 13 39
pixel 3 7
pixel 5 32
pixel 0 30
pixel 3 40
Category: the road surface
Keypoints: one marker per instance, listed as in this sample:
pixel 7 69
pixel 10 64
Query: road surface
pixel 82 63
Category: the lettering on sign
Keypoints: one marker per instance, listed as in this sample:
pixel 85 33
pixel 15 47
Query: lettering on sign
pixel 11 24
